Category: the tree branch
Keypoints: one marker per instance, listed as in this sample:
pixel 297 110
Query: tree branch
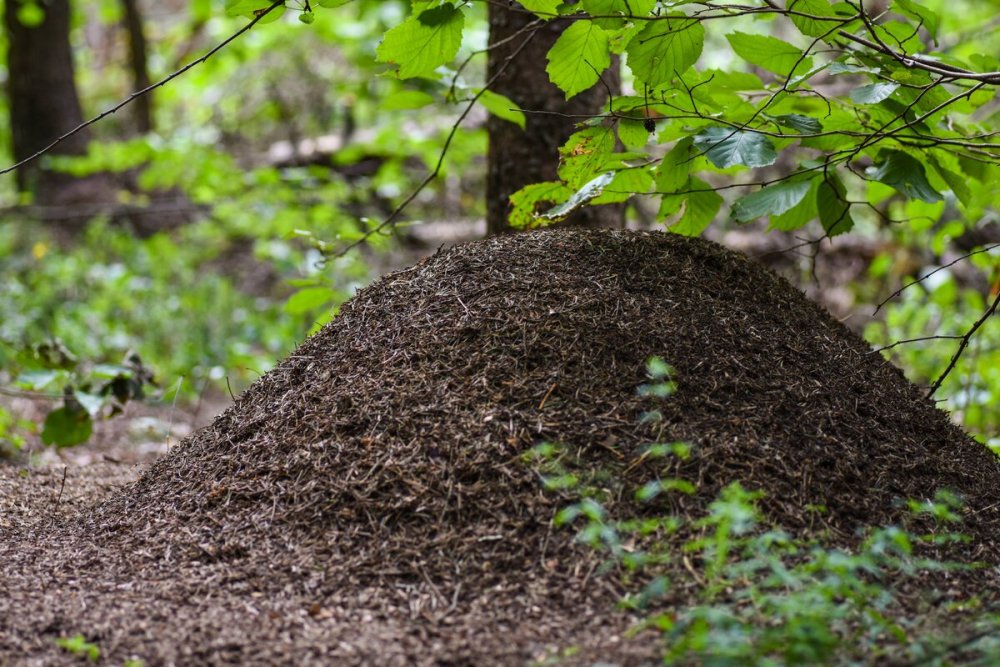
pixel 965 343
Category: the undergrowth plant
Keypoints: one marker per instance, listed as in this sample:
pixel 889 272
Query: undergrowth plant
pixel 87 328
pixel 728 588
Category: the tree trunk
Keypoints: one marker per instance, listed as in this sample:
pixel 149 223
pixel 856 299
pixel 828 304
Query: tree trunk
pixel 516 157
pixel 142 108
pixel 41 93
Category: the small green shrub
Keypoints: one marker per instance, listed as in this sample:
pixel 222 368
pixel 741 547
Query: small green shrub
pixel 79 646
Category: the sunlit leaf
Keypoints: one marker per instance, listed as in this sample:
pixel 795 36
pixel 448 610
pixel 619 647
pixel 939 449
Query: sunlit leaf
pixel 770 53
pixel 665 49
pixel 947 167
pixel 610 10
pixel 674 169
pixel 407 99
pixel 808 25
pixel 525 201
pixel 503 107
pixel 309 299
pixel 422 43
pixel 926 17
pixel 700 207
pixel 545 9
pixel 578 57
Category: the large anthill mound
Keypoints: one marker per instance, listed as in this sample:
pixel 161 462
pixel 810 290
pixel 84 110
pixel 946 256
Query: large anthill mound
pixel 387 449
pixel 397 430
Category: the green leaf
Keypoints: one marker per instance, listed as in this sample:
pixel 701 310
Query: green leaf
pixel 251 8
pixel 503 107
pixel 36 380
pixel 835 68
pixel 674 169
pixel 525 200
pixel 578 57
pixel 627 182
pixel 406 99
pixel 30 14
pixel 633 133
pixel 245 7
pixel 873 92
pixel 810 26
pixel 928 18
pixel 421 44
pixel 800 215
pixel 545 9
pixel 946 165
pixel 309 299
pixel 307 17
pixel 89 402
pixel 771 200
pixel 700 209
pixel 834 209
pixel 589 191
pixel 769 53
pixel 726 147
pixel 906 174
pixel 665 48
pixel 65 427
pixel 79 646
pixel 610 9
pixel 804 124
pixel 586 154
pixel 901 35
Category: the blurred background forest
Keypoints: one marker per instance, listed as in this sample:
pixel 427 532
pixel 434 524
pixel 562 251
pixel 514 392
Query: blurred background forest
pixel 241 185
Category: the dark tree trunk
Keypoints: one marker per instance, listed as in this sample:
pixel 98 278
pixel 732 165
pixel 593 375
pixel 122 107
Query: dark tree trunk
pixel 41 93
pixel 138 61
pixel 516 157
pixel 41 89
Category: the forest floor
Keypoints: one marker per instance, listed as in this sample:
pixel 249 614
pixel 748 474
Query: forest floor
pixel 368 501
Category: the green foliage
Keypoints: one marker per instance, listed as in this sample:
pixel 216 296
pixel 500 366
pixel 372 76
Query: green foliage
pixel 578 57
pixel 424 41
pixel 872 128
pixel 771 200
pixel 79 646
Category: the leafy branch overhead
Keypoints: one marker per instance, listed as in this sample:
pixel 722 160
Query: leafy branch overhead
pixel 842 102
pixel 856 108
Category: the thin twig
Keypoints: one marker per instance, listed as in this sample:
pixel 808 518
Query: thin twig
pixel 62 485
pixel 139 93
pixel 918 339
pixel 923 278
pixel 965 342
